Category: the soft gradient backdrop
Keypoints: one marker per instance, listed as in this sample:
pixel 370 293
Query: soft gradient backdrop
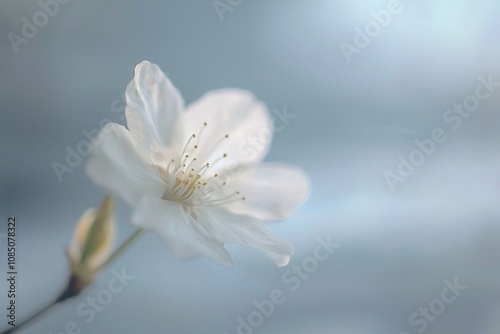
pixel 353 122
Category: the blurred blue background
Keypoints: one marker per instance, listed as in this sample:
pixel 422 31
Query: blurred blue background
pixel 354 120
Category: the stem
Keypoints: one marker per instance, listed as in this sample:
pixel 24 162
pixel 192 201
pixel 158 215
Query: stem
pixel 69 291
pixel 75 284
pixel 123 247
pixel 33 317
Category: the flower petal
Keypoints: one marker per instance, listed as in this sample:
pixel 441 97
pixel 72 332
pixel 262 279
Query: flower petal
pixel 272 191
pixel 244 230
pixel 236 113
pixel 154 107
pixel 116 166
pixel 183 235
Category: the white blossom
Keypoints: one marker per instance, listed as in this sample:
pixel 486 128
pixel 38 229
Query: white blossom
pixel 190 173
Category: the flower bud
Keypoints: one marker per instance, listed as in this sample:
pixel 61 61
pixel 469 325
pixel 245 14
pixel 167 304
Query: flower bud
pixel 92 240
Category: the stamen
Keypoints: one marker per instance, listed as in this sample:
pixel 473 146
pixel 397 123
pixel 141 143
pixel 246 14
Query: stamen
pixel 212 149
pixel 225 200
pixel 187 180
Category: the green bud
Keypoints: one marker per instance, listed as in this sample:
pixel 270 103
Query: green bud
pixel 92 240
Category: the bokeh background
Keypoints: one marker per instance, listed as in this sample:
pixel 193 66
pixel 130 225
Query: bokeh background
pixel 353 122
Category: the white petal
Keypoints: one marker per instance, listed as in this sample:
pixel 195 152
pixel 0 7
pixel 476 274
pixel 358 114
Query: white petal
pixel 183 235
pixel 244 230
pixel 116 166
pixel 154 107
pixel 272 191
pixel 236 113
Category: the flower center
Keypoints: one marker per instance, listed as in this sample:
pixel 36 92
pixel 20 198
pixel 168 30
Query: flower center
pixel 189 182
